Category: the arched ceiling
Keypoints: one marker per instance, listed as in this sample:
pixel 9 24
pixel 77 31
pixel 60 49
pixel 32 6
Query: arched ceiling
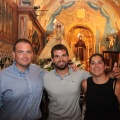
pixel 101 19
pixel 48 7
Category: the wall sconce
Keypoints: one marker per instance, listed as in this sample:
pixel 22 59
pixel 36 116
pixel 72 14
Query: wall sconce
pixel 36 7
pixel 39 12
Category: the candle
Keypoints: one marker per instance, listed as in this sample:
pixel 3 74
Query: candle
pixel 94 47
pixel 88 50
pixel 99 47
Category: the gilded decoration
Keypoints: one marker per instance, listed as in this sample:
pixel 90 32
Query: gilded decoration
pixel 88 16
pixel 117 2
pixel 80 13
pixel 86 21
pixel 83 8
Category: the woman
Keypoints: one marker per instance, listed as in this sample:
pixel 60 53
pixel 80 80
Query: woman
pixel 102 93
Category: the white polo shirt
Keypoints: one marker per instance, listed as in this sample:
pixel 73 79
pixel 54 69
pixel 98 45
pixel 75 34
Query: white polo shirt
pixel 64 94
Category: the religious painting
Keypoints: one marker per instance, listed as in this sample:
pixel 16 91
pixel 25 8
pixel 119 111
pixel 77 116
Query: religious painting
pixel 36 42
pixel 23 21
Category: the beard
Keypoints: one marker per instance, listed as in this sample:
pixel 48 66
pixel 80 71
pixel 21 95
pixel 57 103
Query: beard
pixel 61 67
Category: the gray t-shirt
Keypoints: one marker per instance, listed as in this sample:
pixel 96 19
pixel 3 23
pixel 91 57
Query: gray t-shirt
pixel 64 94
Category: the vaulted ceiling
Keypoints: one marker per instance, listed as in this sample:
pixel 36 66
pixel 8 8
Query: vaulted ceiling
pixel 48 7
pixel 93 16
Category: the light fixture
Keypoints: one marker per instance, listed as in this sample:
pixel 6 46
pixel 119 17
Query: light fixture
pixel 39 12
pixel 36 7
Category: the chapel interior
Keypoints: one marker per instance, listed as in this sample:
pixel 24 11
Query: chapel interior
pixel 48 22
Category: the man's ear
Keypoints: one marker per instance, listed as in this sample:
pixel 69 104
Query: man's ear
pixel 32 54
pixel 69 58
pixel 52 59
pixel 105 67
pixel 13 54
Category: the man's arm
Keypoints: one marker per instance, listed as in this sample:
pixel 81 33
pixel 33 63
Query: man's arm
pixel 73 66
pixel 117 90
pixel 115 72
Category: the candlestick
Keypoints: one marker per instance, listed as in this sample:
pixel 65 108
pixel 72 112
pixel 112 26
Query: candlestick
pixel 99 48
pixel 88 50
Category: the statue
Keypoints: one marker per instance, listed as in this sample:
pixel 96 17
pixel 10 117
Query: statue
pixel 111 40
pixel 53 39
pixel 80 46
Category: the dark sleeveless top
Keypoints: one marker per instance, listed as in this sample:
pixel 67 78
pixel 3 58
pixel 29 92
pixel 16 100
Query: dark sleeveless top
pixel 101 102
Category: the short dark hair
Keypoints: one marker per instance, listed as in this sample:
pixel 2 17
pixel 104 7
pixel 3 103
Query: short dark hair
pixel 59 47
pixel 22 40
pixel 97 54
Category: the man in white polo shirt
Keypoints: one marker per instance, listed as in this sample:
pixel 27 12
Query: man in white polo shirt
pixel 63 86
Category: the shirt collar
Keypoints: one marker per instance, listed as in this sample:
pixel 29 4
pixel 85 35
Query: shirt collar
pixel 17 69
pixel 69 71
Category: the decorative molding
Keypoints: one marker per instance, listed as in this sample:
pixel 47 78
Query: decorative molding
pixel 8 17
pixel 29 10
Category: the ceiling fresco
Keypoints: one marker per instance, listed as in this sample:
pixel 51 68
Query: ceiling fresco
pixel 95 18
pixel 64 10
pixel 48 7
